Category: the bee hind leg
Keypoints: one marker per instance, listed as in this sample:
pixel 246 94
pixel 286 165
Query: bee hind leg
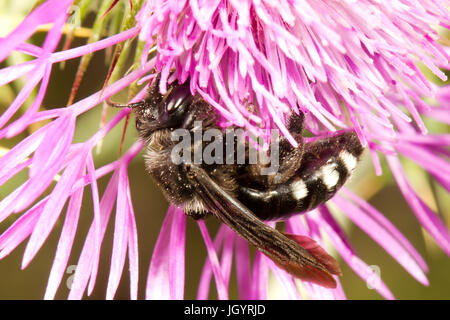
pixel 288 157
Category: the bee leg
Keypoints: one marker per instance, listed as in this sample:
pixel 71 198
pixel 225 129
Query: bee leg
pixel 153 90
pixel 196 215
pixel 289 157
pixel 195 209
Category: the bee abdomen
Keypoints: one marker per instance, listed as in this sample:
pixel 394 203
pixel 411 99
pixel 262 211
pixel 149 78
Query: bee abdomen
pixel 309 188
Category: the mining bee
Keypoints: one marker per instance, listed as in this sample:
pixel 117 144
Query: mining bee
pixel 237 194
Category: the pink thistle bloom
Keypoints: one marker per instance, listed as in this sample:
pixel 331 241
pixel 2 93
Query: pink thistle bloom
pixel 343 69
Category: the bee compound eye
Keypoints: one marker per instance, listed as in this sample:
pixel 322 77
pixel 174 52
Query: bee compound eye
pixel 175 104
pixel 178 99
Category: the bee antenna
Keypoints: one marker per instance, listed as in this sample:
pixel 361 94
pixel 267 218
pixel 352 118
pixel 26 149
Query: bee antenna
pixel 118 105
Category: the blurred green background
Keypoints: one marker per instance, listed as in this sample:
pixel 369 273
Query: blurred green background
pixel 150 206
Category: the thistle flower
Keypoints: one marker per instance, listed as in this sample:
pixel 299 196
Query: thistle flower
pixel 324 58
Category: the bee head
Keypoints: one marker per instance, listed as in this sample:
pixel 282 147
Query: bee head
pixel 158 112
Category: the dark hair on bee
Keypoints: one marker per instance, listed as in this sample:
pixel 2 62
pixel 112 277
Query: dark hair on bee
pixel 239 195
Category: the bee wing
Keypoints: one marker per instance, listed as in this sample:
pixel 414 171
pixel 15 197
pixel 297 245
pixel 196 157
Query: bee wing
pixel 299 256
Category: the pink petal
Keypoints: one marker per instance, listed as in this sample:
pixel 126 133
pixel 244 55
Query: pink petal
pixel 222 290
pixel 12 73
pixel 30 49
pixel 8 203
pixel 242 268
pixel 55 144
pixel 227 254
pixel 316 292
pixel 260 277
pixel 177 250
pixel 384 238
pixel 43 14
pixel 360 268
pixel 51 41
pixel 160 273
pixel 286 281
pixel 53 208
pixel 65 244
pixel 87 103
pixel 97 213
pixel 106 204
pixel 20 229
pixel 18 126
pixel 385 223
pixel 36 76
pixel 133 257
pixel 426 216
pixel 39 182
pixel 207 272
pixel 18 168
pixel 20 152
pixel 95 46
pixel 84 269
pixel 120 242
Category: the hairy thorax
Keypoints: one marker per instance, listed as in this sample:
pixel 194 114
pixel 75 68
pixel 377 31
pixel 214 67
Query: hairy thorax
pixel 172 178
